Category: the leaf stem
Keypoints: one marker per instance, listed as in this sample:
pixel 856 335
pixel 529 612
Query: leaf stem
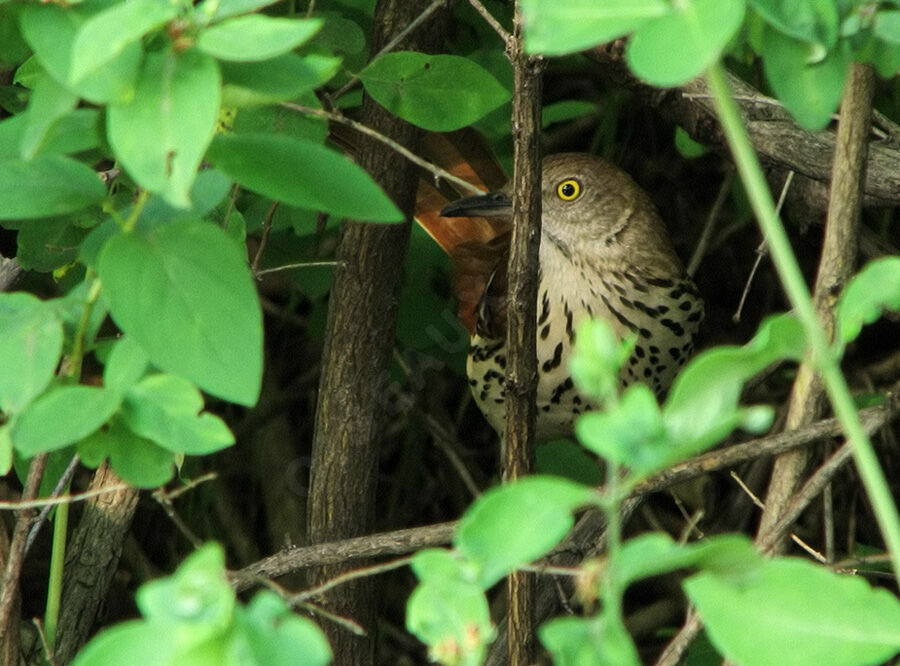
pixel 57 558
pixel 824 357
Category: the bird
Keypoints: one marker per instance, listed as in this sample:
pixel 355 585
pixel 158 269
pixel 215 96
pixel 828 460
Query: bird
pixel 604 253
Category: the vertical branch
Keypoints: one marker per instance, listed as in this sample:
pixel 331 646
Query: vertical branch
pixel 359 340
pixel 836 266
pixel 521 377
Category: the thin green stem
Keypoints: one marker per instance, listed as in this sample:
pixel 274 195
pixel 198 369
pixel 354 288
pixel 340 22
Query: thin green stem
pixel 57 558
pixel 824 357
pixel 612 602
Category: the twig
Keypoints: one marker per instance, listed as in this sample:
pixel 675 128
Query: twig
pixel 490 20
pixel 714 212
pixel 9 590
pixel 264 239
pixel 347 576
pixel 761 251
pixel 190 485
pixel 54 498
pixel 401 542
pixel 166 503
pixel 288 267
pixel 444 441
pixel 337 117
pixel 391 45
pixel 753 498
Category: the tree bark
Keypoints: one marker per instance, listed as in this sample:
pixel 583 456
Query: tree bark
pixel 836 266
pixel 359 340
pixel 92 560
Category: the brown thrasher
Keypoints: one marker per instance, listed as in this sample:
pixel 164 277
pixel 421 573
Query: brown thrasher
pixel 604 254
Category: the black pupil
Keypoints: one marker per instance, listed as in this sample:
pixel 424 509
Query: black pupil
pixel 568 190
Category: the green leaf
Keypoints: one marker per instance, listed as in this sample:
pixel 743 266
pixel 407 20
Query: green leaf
pixel 135 643
pixel 303 174
pixel 516 523
pixel 811 92
pixel 568 109
pixel 686 146
pixel 657 553
pixel 700 28
pixel 48 244
pixel 49 102
pixel 127 363
pixel 184 292
pixel 286 77
pixel 803 610
pixel 62 416
pixel 6 448
pixel 874 289
pixel 108 33
pixel 702 406
pixel 578 641
pixel 138 461
pixel 814 21
pixel 277 637
pixel 166 410
pixel 73 133
pixel 555 28
pixel 629 432
pixel 437 564
pixel 256 37
pixel 193 605
pixel 216 10
pixel 31 337
pixel 51 30
pixel 598 356
pixel 452 617
pixel 887 26
pixel 161 135
pixel 565 458
pixel 437 92
pixel 45 186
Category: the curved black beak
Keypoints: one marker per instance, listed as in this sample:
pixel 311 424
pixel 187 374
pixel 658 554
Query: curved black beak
pixel 492 204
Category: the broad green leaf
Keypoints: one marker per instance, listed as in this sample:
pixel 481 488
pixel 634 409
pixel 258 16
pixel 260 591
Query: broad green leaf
pixel 437 92
pixel 806 614
pixel 814 21
pixel 127 363
pixel 286 77
pixel 555 28
pixel 438 564
pixel 216 10
pixel 135 643
pixel 563 457
pixel 166 410
pixel 6 448
pixel 194 604
pixel 279 120
pixel 303 174
pixel 629 432
pixel 161 135
pixel 31 337
pixel 51 31
pixel 700 28
pixel 451 617
pixel 45 186
pixel 256 37
pixel 73 133
pixel 48 244
pixel 580 641
pixel 598 356
pixel 874 289
pixel 138 461
pixel 569 109
pixel 657 553
pixel 277 637
pixel 62 416
pixel 514 524
pixel 811 92
pixel 184 292
pixel 108 33
pixel 702 406
pixel 887 26
pixel 49 102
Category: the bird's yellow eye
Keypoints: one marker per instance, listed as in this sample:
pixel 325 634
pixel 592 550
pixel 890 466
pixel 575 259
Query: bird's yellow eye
pixel 568 190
